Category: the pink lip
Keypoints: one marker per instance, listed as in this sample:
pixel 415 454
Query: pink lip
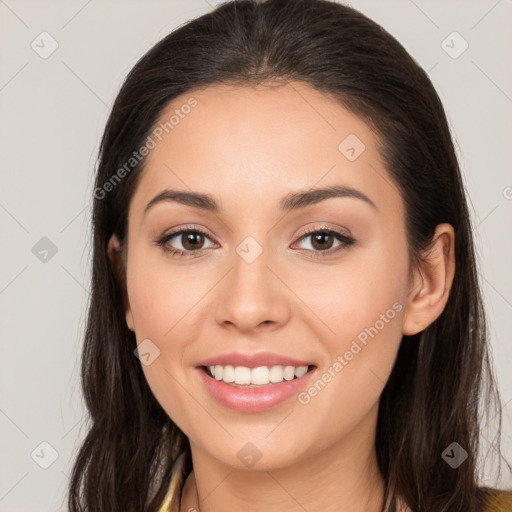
pixel 253 360
pixel 254 399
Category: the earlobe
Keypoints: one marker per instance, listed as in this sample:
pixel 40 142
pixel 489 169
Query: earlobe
pixel 432 282
pixel 115 256
pixel 129 318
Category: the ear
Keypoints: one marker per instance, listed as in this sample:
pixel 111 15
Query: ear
pixel 432 281
pixel 117 263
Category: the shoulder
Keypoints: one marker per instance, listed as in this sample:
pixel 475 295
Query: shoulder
pixel 498 501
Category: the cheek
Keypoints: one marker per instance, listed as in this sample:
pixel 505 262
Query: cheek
pixel 365 293
pixel 161 295
pixel 168 303
pixel 362 304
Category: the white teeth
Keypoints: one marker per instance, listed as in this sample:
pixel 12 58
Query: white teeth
pixel 276 374
pixel 260 376
pixel 242 375
pixel 300 371
pixel 219 370
pixel 289 372
pixel 229 374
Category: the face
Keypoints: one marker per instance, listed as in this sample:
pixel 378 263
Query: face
pixel 322 283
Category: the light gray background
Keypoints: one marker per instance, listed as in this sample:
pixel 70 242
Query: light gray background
pixel 52 114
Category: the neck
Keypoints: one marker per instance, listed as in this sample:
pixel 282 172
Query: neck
pixel 344 477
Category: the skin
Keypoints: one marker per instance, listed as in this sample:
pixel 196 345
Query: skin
pixel 249 147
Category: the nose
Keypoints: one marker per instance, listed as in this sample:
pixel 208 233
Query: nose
pixel 252 295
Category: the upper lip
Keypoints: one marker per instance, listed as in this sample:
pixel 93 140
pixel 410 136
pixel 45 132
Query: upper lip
pixel 252 360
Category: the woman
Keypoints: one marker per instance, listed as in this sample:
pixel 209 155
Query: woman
pixel 285 308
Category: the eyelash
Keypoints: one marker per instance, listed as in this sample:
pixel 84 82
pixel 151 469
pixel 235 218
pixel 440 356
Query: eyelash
pixel 345 239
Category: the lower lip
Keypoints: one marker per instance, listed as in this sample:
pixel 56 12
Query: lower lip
pixel 253 399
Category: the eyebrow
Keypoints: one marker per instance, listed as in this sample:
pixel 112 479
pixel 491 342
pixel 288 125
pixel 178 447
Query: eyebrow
pixel 292 201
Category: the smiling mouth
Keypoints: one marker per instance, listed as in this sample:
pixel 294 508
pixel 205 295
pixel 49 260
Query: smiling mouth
pixel 244 377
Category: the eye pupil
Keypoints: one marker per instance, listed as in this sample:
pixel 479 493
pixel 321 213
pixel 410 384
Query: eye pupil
pixel 319 237
pixel 189 238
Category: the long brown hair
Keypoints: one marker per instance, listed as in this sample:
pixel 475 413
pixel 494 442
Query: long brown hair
pixel 442 380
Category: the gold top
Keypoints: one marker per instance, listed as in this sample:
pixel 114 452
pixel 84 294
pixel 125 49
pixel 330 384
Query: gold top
pixel 501 502
pixel 171 501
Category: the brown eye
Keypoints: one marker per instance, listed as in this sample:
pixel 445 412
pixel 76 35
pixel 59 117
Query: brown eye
pixel 322 241
pixel 191 241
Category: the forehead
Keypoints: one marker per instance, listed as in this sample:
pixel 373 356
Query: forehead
pixel 242 143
